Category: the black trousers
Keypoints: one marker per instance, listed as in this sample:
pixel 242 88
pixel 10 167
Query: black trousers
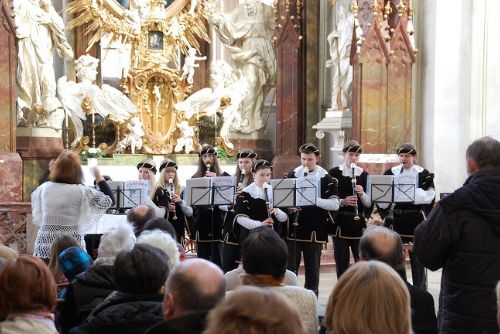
pixel 341 253
pixel 312 255
pixel 230 254
pixel 209 251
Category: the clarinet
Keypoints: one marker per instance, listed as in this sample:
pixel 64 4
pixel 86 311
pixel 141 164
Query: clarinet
pixel 171 186
pixel 266 196
pixel 353 182
pixel 208 168
pixel 296 218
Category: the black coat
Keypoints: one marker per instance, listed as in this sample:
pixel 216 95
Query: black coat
pixel 124 314
pixel 423 313
pixel 193 323
pixel 87 291
pixel 462 236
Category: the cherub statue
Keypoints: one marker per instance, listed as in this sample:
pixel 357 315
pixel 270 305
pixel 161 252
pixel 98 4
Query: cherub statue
pixel 186 139
pixel 134 137
pixel 105 101
pixel 176 28
pixel 190 65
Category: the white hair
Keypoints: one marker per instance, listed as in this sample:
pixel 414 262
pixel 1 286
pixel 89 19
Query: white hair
pixel 163 241
pixel 119 238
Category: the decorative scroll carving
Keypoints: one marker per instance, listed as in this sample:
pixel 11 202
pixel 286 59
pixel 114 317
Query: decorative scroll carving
pixel 13 221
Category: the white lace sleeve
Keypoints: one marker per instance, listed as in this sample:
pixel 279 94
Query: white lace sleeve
pixel 94 205
pixel 36 206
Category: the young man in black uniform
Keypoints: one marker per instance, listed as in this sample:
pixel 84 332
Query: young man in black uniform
pixel 308 232
pixel 350 219
pixel 404 217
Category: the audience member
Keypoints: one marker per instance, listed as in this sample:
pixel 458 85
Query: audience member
pixel 191 291
pixel 165 226
pixel 63 205
pixel 249 310
pixel 58 246
pixel 462 236
pixel 138 216
pixel 163 241
pixel 383 244
pixel 234 278
pixel 27 297
pixel 369 298
pixel 91 287
pixel 139 276
pixel 264 256
pixel 8 253
pixel 72 262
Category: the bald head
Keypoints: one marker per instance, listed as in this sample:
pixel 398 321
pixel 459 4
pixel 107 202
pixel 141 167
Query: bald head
pixel 139 215
pixel 194 285
pixel 382 244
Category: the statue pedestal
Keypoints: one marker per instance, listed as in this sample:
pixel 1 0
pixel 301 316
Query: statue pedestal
pixel 338 124
pixel 37 146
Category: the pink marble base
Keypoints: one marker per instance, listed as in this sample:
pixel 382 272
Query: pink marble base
pixel 11 182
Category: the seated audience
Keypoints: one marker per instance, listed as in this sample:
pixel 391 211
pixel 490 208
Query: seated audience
pixel 72 262
pixel 138 216
pixel 191 291
pixel 61 243
pixel 8 253
pixel 91 287
pixel 265 256
pixel 369 298
pixel 234 278
pixel 139 276
pixel 249 310
pixel 165 226
pixel 163 241
pixel 27 297
pixel 382 244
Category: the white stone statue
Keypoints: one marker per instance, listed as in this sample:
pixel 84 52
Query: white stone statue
pixel 248 34
pixel 39 30
pixel 207 100
pixel 106 100
pixel 134 136
pixel 194 4
pixel 340 40
pixel 157 95
pixel 185 141
pixel 190 65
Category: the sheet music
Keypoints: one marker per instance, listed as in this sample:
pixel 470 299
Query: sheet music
pixel 198 191
pixel 135 192
pixel 379 188
pixel 404 187
pixel 224 189
pixel 283 193
pixel 306 191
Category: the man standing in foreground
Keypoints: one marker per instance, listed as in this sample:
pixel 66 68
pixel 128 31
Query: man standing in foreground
pixel 462 236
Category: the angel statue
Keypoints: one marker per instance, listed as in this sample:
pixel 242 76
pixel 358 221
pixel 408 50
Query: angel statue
pixel 186 139
pixel 39 30
pixel 106 100
pixel 190 65
pixel 208 100
pixel 134 136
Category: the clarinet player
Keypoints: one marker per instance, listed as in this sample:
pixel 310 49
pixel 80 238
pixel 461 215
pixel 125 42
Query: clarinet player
pixel 350 220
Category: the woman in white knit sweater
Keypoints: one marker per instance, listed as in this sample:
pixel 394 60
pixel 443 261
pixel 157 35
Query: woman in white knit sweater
pixel 63 204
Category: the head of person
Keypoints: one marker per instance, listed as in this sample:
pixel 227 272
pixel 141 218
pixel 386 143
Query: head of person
pixel 351 152
pixel 67 169
pixel 262 172
pixel 263 252
pixel 26 286
pixel 255 310
pixel 139 215
pixel 163 241
pixel 208 158
pixel 74 261
pixel 407 154
pixel 115 240
pixel 246 160
pixel 168 174
pixel 86 68
pixel 375 291
pixel 309 156
pixel 483 154
pixel 58 246
pixel 146 169
pixel 8 253
pixel 161 224
pixel 195 285
pixel 141 270
pixel 382 244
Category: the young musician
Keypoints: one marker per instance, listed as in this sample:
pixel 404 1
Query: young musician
pixel 208 221
pixel 254 204
pixel 307 227
pixel 230 246
pixel 350 219
pixel 170 194
pixel 147 171
pixel 404 217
